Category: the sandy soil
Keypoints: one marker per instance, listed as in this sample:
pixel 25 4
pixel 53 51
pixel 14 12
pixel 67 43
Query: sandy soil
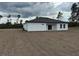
pixel 15 42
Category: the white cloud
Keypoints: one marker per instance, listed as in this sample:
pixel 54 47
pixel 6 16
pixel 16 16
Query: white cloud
pixel 27 9
pixel 57 3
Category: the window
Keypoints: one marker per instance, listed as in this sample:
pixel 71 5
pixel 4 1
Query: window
pixel 60 25
pixel 64 26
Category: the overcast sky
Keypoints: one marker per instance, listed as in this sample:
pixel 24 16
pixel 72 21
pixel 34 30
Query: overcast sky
pixel 26 9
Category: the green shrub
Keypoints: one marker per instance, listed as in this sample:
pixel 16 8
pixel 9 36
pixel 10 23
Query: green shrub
pixel 73 24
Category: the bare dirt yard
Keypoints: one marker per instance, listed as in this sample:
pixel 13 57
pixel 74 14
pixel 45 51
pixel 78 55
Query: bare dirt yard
pixel 15 42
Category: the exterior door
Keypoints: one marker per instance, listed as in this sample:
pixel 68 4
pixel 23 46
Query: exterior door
pixel 49 27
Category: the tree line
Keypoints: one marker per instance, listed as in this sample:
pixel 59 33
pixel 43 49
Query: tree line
pixel 9 20
pixel 9 24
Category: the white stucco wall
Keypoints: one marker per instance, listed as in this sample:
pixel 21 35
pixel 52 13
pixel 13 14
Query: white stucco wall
pixel 66 26
pixel 54 27
pixel 35 27
pixel 43 27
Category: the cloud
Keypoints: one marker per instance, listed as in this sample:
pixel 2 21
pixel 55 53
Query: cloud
pixel 26 9
pixel 65 6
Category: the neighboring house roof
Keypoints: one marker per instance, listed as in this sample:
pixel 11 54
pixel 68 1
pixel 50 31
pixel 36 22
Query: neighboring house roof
pixel 45 20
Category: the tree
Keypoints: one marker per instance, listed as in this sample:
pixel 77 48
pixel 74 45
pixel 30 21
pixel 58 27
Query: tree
pixel 21 21
pixel 59 15
pixel 9 20
pixel 1 17
pixel 74 7
pixel 18 18
pixel 8 23
pixel 75 12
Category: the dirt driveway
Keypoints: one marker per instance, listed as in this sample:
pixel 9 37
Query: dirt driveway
pixel 15 42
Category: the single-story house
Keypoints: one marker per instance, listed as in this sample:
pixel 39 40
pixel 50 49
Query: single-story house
pixel 45 24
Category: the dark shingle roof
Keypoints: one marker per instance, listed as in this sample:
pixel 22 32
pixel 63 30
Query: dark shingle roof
pixel 45 20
